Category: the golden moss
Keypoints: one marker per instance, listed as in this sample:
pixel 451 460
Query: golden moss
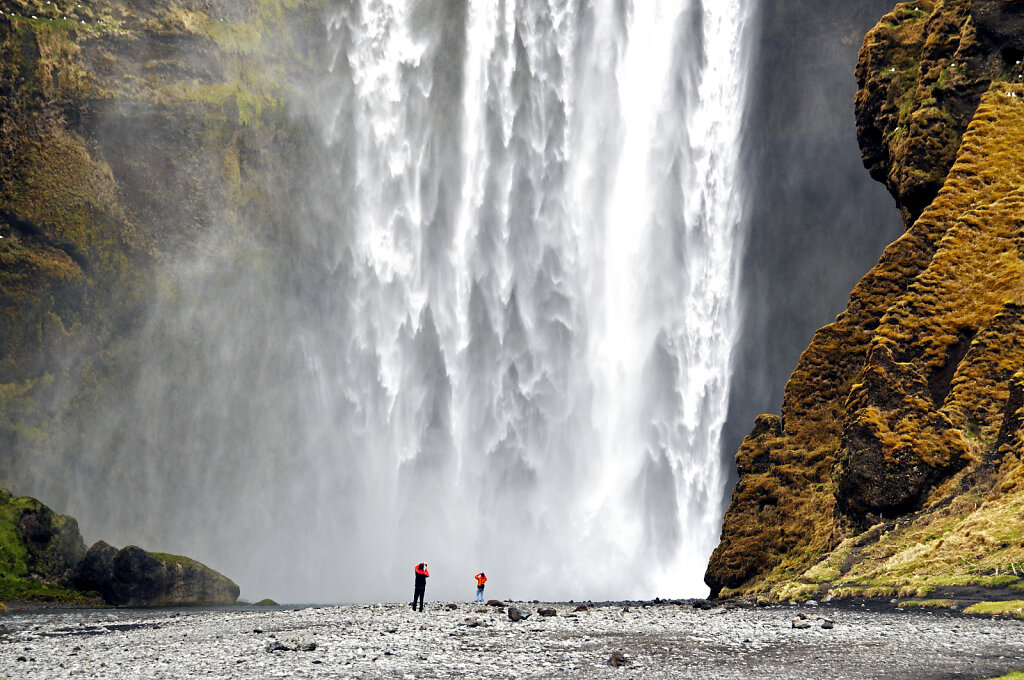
pixel 945 301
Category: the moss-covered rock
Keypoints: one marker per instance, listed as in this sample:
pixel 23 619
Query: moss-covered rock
pixel 136 578
pixel 921 72
pixel 39 551
pixel 897 466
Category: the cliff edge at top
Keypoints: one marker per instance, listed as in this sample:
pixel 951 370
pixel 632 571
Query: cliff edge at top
pixel 895 467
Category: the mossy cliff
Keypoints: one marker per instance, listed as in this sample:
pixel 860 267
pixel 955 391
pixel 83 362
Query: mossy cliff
pixel 128 131
pixel 895 466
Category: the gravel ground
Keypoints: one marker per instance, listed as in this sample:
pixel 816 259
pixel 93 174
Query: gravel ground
pixel 391 641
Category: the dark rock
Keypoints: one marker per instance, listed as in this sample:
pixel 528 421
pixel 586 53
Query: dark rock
pixel 1000 25
pixel 703 604
pixel 451 606
pixel 827 624
pixel 276 646
pixel 879 473
pixel 617 660
pixel 495 603
pixel 582 608
pixel 473 622
pixel 96 571
pixel 547 611
pixel 517 614
pixel 133 577
pixel 265 602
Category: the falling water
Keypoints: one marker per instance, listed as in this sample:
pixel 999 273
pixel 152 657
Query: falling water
pixel 500 339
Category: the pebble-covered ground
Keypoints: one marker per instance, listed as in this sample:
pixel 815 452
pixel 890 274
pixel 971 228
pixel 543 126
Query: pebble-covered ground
pixel 470 641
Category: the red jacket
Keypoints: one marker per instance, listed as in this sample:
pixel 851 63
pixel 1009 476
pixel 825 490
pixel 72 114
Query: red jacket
pixel 480 580
pixel 421 568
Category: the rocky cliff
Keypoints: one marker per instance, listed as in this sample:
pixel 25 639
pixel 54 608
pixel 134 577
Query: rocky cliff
pixel 132 135
pixel 895 466
pixel 127 131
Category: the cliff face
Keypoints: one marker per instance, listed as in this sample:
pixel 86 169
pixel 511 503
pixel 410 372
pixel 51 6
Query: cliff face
pixel 127 130
pixel 895 465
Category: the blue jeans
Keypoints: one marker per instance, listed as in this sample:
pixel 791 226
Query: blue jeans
pixel 479 593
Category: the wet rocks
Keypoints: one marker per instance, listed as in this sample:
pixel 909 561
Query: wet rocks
pixel 356 641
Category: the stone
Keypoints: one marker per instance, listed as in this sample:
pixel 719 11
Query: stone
pixel 516 614
pixel 451 606
pixel 801 623
pixel 617 660
pixel 547 611
pixel 495 603
pixel 703 604
pixel 582 608
pixel 827 624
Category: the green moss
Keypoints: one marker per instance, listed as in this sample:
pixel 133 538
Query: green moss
pixel 1014 608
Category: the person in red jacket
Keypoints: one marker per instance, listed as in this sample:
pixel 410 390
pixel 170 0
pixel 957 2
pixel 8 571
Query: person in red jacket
pixel 481 579
pixel 421 584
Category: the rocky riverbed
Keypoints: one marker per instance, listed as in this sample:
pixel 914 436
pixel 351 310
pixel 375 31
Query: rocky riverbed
pixel 470 641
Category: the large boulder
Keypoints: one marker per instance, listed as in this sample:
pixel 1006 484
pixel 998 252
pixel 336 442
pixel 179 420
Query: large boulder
pixel 136 578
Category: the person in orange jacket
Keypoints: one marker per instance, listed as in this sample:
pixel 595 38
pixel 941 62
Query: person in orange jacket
pixel 421 584
pixel 481 579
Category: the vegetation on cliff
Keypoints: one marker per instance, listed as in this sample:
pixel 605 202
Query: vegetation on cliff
pixel 128 131
pixel 896 465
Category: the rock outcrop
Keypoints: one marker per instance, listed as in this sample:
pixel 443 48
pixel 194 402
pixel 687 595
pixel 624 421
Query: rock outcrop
pixel 896 463
pixel 135 578
pixel 39 550
pixel 43 557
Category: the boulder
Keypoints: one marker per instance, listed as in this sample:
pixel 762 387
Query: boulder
pixel 495 603
pixel 517 614
pixel 547 611
pixel 137 578
pixel 617 660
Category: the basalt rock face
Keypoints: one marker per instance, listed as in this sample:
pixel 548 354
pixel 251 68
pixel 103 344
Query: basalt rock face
pixel 896 464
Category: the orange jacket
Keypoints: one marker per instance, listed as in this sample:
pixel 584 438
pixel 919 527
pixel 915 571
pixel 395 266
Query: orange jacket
pixel 480 579
pixel 421 568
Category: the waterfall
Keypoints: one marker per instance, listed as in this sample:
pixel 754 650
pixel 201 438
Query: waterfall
pixel 500 339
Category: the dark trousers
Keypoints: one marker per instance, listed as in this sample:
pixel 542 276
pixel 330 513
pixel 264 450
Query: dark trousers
pixel 418 595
